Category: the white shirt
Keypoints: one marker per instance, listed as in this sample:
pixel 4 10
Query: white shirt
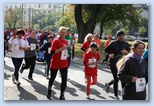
pixel 15 43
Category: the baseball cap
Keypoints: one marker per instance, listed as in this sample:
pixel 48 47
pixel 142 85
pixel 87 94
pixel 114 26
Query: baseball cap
pixel 93 44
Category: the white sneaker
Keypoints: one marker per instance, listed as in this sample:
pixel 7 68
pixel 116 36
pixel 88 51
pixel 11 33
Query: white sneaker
pixel 87 96
pixel 13 78
pixel 116 98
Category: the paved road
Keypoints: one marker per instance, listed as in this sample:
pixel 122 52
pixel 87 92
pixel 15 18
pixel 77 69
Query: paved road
pixel 37 89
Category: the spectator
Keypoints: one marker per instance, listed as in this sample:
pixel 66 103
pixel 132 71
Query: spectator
pixel 73 46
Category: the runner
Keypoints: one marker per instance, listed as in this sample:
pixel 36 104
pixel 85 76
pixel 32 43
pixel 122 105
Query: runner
pixel 47 53
pixel 119 48
pixel 59 62
pixel 90 60
pixel 132 73
pixel 30 55
pixel 16 46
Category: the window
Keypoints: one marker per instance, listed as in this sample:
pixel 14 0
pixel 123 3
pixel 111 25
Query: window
pixel 6 7
pixel 49 5
pixel 25 5
pixel 15 6
pixel 24 17
pixel 44 12
pixel 39 6
pixel 49 12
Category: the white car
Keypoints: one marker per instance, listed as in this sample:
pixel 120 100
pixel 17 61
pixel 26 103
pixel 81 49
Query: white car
pixel 129 38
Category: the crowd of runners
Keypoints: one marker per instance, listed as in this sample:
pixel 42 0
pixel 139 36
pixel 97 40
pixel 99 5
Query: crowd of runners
pixel 57 50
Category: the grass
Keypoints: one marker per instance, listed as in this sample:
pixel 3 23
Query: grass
pixel 79 52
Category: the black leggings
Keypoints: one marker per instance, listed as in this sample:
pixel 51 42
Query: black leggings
pixel 53 73
pixel 30 63
pixel 17 63
pixel 116 80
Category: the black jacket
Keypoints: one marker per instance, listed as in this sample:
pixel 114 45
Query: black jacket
pixel 131 67
pixel 115 47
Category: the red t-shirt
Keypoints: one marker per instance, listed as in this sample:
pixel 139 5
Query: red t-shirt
pixel 56 62
pixel 88 56
pixel 85 45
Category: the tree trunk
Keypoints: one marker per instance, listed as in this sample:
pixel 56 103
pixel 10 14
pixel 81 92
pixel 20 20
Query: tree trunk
pixel 84 28
pixel 101 31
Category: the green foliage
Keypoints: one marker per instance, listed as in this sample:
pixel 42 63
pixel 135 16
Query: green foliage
pixel 142 30
pixel 12 16
pixel 48 28
pixel 125 30
pixel 36 26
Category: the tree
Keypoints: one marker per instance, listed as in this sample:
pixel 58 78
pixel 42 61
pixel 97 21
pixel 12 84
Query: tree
pixel 87 15
pixel 142 30
pixel 12 16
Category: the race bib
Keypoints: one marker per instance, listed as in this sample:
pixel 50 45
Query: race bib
pixel 91 61
pixel 140 84
pixel 49 50
pixel 64 55
pixel 45 41
pixel 33 46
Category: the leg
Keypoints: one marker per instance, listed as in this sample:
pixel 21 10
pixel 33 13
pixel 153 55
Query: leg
pixel 48 66
pixel 27 63
pixel 69 60
pixel 73 53
pixel 114 73
pixel 53 73
pixel 32 66
pixel 88 85
pixel 17 63
pixel 94 78
pixel 63 72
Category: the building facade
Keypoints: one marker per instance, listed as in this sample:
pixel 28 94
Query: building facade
pixel 29 10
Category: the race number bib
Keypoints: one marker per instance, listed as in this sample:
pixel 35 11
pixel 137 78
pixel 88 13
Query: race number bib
pixel 91 61
pixel 64 55
pixel 49 50
pixel 33 46
pixel 140 84
pixel 45 41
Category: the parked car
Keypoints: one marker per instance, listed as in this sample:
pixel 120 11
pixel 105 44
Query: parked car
pixel 129 38
pixel 104 37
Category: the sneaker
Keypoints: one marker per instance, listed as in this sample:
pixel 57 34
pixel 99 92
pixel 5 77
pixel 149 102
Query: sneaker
pixel 18 84
pixel 62 98
pixel 116 98
pixel 21 70
pixel 107 89
pixel 13 78
pixel 49 95
pixel 88 97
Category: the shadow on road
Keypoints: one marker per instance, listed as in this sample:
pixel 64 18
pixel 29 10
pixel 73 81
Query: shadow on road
pixel 6 76
pixel 41 89
pixel 25 95
pixel 8 68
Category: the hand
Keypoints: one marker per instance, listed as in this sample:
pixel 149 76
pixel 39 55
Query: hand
pixel 20 47
pixel 64 47
pixel 124 52
pixel 134 79
pixel 111 56
pixel 9 50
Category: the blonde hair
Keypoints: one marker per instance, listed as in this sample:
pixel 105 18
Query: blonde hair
pixel 87 36
pixel 61 28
